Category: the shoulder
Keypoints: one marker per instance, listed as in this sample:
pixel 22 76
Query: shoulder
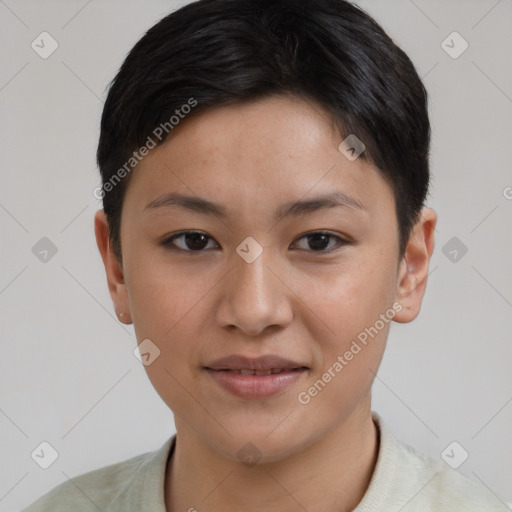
pixel 109 486
pixel 90 491
pixel 441 487
pixel 411 481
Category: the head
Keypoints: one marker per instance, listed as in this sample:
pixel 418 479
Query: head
pixel 299 248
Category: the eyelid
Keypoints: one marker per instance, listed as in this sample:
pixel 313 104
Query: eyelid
pixel 168 241
pixel 340 241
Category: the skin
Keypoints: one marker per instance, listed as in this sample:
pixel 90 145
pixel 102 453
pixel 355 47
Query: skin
pixel 292 301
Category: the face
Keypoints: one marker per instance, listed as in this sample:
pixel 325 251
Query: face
pixel 282 255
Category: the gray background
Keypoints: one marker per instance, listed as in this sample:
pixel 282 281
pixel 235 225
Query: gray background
pixel 68 375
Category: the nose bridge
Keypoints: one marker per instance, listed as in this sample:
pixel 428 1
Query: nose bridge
pixel 254 282
pixel 255 297
pixel 255 273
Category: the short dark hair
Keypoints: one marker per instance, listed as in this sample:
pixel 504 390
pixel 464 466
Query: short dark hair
pixel 220 52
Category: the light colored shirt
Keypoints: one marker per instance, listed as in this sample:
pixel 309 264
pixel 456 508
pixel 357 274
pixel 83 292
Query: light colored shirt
pixel 403 480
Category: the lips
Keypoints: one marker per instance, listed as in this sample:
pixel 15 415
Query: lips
pixel 243 371
pixel 255 378
pixel 266 364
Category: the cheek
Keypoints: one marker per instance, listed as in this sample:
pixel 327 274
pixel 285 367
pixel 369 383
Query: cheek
pixel 349 355
pixel 348 300
pixel 350 303
pixel 162 296
pixel 166 305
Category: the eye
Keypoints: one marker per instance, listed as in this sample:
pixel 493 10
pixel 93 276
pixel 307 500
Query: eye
pixel 189 241
pixel 318 241
pixel 196 241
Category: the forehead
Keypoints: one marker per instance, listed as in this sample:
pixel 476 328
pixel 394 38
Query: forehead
pixel 254 154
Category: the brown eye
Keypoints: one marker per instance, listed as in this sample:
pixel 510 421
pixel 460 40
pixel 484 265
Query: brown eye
pixel 320 241
pixel 190 241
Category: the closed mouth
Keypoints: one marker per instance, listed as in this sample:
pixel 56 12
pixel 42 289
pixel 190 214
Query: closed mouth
pixel 246 371
pixel 263 365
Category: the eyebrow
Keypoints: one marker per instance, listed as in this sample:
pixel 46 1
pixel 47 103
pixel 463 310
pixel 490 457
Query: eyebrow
pixel 293 208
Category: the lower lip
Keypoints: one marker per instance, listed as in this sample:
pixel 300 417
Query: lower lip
pixel 256 386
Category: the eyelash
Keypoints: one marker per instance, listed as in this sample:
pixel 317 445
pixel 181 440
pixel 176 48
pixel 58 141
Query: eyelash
pixel 168 243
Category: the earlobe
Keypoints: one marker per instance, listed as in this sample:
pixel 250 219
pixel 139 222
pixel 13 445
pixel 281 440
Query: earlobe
pixel 115 275
pixel 413 270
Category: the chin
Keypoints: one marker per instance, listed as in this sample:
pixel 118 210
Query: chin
pixel 260 444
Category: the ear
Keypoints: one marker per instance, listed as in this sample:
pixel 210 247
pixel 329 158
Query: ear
pixel 413 269
pixel 115 277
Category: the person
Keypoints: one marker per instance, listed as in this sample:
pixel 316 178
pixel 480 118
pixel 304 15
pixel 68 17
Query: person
pixel 265 169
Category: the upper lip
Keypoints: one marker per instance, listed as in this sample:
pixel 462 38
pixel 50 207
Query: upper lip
pixel 238 362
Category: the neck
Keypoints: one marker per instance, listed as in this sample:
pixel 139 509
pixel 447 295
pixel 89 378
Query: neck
pixel 332 474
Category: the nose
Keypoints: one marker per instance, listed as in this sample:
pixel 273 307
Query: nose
pixel 255 296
